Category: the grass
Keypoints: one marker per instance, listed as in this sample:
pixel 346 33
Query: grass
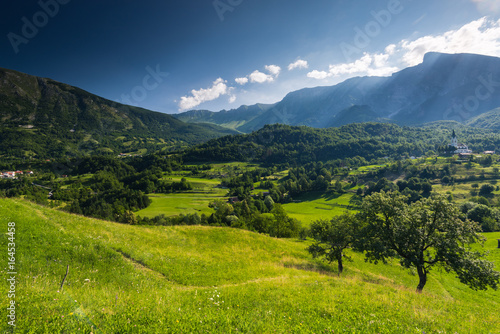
pixel 136 279
pixel 204 192
pixel 175 204
pixel 319 205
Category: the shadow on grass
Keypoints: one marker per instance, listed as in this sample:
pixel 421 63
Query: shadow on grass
pixel 315 195
pixel 320 268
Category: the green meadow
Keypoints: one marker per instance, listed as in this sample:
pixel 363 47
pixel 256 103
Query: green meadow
pixel 193 279
pixel 181 203
pixel 319 205
pixel 187 202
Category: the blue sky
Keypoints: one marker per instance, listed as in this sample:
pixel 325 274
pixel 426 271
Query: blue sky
pixel 179 55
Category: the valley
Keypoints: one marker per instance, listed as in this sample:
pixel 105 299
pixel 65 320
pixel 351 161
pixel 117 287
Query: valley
pixel 126 220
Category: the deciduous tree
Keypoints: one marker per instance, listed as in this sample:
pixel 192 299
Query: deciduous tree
pixel 422 235
pixel 332 238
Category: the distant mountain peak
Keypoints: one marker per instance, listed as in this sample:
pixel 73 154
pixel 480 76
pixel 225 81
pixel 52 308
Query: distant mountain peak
pixel 443 87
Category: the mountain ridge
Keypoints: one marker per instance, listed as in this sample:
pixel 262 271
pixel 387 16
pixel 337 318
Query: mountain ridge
pixel 41 115
pixel 443 87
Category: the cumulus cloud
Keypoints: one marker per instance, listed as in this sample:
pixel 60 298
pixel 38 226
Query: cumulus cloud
pixel 481 36
pixel 261 77
pixel 219 88
pixel 232 99
pixel 369 64
pixel 300 64
pixel 320 75
pixel 241 81
pixel 274 70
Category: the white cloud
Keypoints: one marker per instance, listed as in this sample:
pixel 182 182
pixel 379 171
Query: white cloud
pixel 390 49
pixel 232 99
pixel 197 97
pixel 320 75
pixel 298 64
pixel 260 77
pixel 481 36
pixel 369 64
pixel 241 81
pixel 274 70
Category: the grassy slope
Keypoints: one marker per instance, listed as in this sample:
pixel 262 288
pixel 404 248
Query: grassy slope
pixel 216 280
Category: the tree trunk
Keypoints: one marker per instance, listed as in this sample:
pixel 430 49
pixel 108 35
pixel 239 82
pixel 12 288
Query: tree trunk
pixel 341 266
pixel 422 275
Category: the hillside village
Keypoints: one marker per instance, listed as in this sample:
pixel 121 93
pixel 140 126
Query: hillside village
pixel 14 175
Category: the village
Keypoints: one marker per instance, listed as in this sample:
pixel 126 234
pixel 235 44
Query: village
pixel 14 175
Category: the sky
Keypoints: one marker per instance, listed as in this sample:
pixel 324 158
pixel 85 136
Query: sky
pixel 172 56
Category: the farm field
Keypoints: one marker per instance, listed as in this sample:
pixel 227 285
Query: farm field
pixel 179 203
pixel 204 192
pixel 137 279
pixel 318 205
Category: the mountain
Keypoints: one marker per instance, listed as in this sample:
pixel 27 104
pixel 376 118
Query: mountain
pixel 443 87
pixel 488 120
pixel 44 117
pixel 355 114
pixel 232 119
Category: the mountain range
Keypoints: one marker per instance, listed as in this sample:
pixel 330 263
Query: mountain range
pixel 443 87
pixel 44 117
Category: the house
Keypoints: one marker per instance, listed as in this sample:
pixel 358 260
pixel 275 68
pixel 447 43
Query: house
pixel 233 199
pixel 456 147
pixel 9 175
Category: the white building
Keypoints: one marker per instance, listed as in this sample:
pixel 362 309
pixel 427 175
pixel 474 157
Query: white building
pixel 459 148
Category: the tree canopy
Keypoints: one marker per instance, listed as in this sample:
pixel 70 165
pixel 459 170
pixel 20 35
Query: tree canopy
pixel 422 235
pixel 332 238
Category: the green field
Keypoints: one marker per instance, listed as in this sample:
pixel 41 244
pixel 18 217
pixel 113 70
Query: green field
pixel 137 279
pixel 204 192
pixel 319 205
pixel 181 203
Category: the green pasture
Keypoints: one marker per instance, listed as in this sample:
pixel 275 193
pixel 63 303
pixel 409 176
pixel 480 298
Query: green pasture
pixel 197 200
pixel 179 203
pixel 318 205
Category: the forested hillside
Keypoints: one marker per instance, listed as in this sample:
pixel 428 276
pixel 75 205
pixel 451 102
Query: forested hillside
pixel 292 144
pixel 44 118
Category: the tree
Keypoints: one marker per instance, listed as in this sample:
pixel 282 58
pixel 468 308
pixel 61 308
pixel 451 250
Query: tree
pixel 268 201
pixel 283 226
pixel 486 189
pixel 338 187
pixel 332 238
pixel 423 234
